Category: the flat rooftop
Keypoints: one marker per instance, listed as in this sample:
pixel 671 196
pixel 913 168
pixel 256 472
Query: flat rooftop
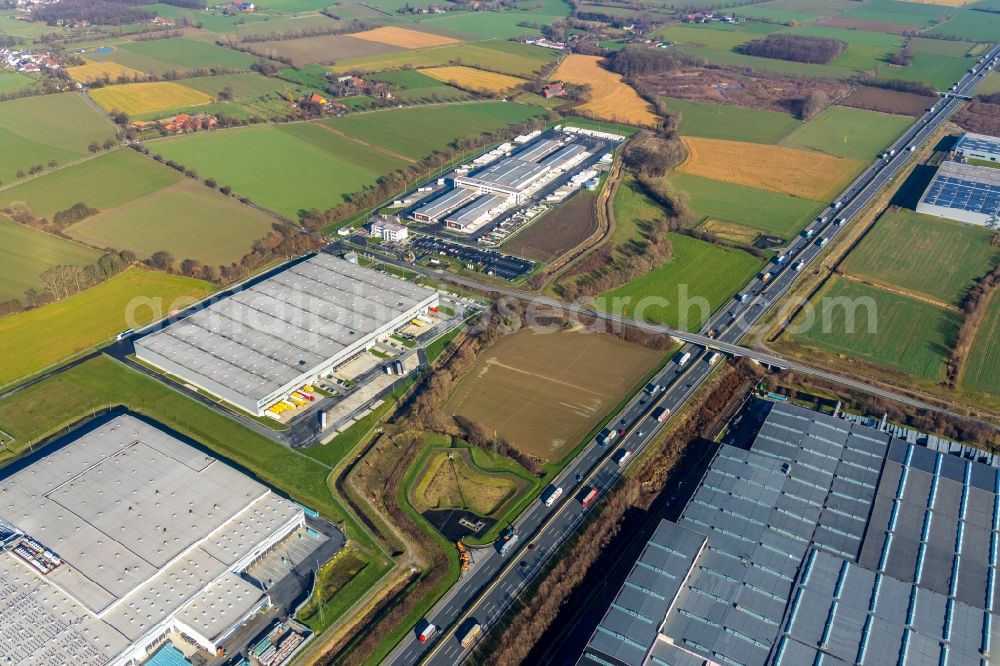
pixel 563 156
pixel 142 523
pixel 981 143
pixel 260 339
pixel 510 173
pixel 475 210
pixel 965 187
pixel 536 150
pixel 448 201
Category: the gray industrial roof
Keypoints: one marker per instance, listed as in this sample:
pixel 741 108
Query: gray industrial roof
pixel 536 150
pixel 476 209
pixel 965 187
pixel 221 606
pixel 142 522
pixel 260 339
pixel 908 535
pixel 980 143
pixel 510 173
pixel 444 203
pixel 560 158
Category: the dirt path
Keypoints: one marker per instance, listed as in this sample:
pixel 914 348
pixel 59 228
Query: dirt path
pixel 369 146
pixel 902 292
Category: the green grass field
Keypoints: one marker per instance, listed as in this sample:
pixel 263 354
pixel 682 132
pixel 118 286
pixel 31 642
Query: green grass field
pixel 186 219
pixel 35 130
pixel 932 257
pixel 702 272
pixel 104 182
pixel 990 85
pixel 895 332
pixel 250 84
pixel 631 206
pixel 844 131
pixel 938 71
pixel 507 57
pixel 982 369
pixel 895 12
pixel 25 253
pixel 496 25
pixel 417 132
pixel 772 65
pixel 724 121
pixel 14 81
pixel 771 212
pixel 971 25
pixel 865 49
pixel 83 320
pixel 181 53
pixel 717 37
pixel 285 168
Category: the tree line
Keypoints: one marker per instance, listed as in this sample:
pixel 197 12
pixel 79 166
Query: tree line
pixel 797 48
pixel 974 307
pixel 100 12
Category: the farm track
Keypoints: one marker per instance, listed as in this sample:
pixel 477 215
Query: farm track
pixel 370 146
pixel 901 292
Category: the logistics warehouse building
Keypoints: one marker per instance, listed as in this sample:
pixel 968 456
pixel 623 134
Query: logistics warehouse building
pixel 124 535
pixel 256 346
pixel 965 193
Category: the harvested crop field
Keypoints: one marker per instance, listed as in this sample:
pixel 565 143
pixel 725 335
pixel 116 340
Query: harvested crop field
pixel 325 49
pixel 450 479
pixel 730 231
pixel 888 101
pixel 470 78
pixel 512 58
pixel 544 392
pixel 404 37
pixel 138 98
pixel 100 70
pixel 558 231
pixel 801 173
pixel 611 99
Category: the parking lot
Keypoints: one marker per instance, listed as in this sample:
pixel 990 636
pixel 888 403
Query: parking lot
pixel 490 262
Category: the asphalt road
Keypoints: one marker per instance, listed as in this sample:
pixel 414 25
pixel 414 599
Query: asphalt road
pixel 488 588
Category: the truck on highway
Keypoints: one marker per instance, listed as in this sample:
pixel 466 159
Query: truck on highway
pixel 425 630
pixel 662 414
pixel 821 241
pixel 551 494
pixel 780 259
pixel 808 233
pixel 712 358
pixel 588 495
pixel 607 436
pixel 506 542
pixel 799 265
pixel 765 276
pixel 468 634
pixel 681 358
pixel 622 456
pixel 742 298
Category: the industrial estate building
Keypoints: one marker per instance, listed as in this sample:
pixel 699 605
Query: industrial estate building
pixel 256 346
pixel 502 179
pixel 978 147
pixel 964 193
pixel 828 542
pixel 389 229
pixel 123 536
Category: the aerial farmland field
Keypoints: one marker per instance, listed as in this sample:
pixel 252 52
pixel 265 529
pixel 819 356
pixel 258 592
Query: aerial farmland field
pixel 725 121
pixel 967 23
pixel 138 98
pixel 474 79
pixel 845 131
pixel 35 130
pixel 889 330
pixel 924 255
pixel 417 132
pixel 404 37
pixel 88 318
pixel 25 253
pixel 558 230
pixel 92 71
pixel 771 212
pixel 611 98
pixel 788 170
pixel 325 49
pixel 705 273
pixel 982 368
pixel 934 69
pixel 285 168
pixel 544 391
pixel 181 53
pixel 512 58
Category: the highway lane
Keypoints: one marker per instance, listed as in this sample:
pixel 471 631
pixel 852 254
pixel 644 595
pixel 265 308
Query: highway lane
pixel 487 590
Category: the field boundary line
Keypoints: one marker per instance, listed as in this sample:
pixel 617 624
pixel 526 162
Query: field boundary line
pixel 877 284
pixel 371 146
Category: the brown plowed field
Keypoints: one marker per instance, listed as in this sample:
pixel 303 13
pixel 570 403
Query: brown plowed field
pixel 560 230
pixel 888 101
pixel 773 93
pixel 544 391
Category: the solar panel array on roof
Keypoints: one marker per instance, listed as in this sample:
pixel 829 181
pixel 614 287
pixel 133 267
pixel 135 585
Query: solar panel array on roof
pixel 982 146
pixel 965 187
pixel 848 614
pixel 631 625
